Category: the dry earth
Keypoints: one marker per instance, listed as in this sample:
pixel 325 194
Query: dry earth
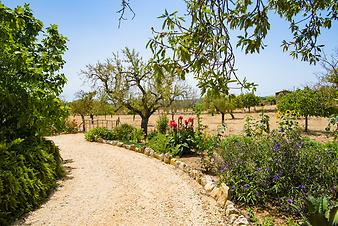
pixel 112 186
pixel 234 126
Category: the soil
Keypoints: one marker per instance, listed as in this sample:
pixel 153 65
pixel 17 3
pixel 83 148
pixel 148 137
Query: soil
pixel 212 122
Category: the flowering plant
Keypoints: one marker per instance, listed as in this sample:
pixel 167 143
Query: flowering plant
pixel 182 134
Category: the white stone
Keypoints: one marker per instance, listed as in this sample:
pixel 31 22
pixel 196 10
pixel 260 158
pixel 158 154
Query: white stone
pixel 230 209
pixel 209 186
pixel 232 218
pixel 241 221
pixel 146 151
pixel 222 195
pixel 167 158
pixel 214 192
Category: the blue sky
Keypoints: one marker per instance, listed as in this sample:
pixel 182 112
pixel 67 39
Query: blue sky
pixel 93 33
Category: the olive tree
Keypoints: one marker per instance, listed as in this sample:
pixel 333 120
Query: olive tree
pixel 30 81
pixel 130 82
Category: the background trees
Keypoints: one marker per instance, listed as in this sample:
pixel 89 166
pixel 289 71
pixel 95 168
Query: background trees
pixel 132 83
pixel 308 102
pixel 83 106
pixel 223 104
pixel 248 100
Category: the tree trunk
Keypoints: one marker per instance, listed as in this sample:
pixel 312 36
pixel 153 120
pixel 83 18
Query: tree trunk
pixel 222 118
pixel 144 124
pixel 232 115
pixel 83 123
pixel 249 109
pixel 306 123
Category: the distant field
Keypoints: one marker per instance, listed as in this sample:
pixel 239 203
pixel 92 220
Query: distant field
pixel 234 126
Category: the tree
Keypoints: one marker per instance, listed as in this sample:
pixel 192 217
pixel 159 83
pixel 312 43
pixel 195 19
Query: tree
pixel 83 106
pixel 223 104
pixel 131 83
pixel 200 44
pixel 30 82
pixel 308 102
pixel 248 100
pixel 329 77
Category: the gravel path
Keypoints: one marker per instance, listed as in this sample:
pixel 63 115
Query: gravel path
pixel 109 185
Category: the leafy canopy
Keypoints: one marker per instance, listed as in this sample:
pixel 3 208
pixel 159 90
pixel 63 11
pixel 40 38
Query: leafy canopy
pixel 199 42
pixel 129 82
pixel 29 79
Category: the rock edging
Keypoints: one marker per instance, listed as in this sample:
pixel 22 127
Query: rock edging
pixel 220 192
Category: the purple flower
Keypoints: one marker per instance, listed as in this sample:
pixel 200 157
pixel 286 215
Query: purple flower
pixel 298 146
pixel 267 169
pixel 259 169
pixel 290 201
pixel 233 187
pixel 276 147
pixel 301 186
pixel 276 177
pixel 281 172
pixel 222 169
pixel 245 186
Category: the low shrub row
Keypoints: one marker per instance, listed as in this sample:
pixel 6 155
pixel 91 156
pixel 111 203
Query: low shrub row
pixel 123 132
pixel 28 173
pixel 279 168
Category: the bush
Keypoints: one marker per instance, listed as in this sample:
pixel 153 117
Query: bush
pixel 278 169
pixel 160 143
pixel 123 132
pixel 96 133
pixel 28 173
pixel 137 135
pixel 162 124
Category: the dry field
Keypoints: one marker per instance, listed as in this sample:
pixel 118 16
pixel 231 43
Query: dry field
pixel 234 126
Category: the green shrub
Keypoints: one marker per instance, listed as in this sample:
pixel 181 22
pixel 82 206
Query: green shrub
pixel 162 124
pixel 96 133
pixel 123 132
pixel 137 135
pixel 160 143
pixel 28 173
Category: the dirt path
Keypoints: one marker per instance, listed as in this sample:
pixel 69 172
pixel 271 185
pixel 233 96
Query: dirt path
pixel 113 186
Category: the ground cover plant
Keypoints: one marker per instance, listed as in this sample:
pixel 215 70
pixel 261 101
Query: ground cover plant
pixel 280 168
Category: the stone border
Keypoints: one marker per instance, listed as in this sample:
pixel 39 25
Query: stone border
pixel 220 192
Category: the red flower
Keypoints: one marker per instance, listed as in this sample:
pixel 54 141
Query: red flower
pixel 186 122
pixel 180 117
pixel 190 119
pixel 172 124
